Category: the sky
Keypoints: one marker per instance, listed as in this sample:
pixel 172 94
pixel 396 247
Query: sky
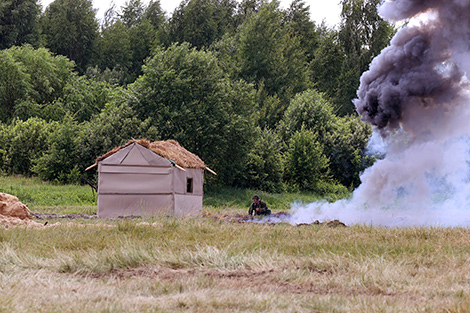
pixel 319 9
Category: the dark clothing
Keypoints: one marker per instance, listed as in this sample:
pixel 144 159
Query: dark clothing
pixel 263 208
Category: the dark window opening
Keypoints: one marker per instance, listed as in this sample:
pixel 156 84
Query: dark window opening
pixel 189 185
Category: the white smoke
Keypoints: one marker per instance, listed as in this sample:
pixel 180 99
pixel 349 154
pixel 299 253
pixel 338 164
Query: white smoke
pixel 416 96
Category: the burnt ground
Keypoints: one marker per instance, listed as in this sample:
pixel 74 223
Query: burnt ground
pixel 50 216
pixel 276 218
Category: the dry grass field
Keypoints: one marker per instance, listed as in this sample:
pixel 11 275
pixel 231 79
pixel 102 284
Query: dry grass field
pixel 209 265
pixel 219 264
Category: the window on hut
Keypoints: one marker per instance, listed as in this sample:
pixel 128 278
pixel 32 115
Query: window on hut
pixel 189 185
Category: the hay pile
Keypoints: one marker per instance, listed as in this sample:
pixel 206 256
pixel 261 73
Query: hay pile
pixel 14 213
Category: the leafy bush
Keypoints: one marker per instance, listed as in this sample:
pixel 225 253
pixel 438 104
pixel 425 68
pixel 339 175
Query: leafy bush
pixel 22 142
pixel 343 139
pixel 311 110
pixel 59 162
pixel 306 163
pixel 265 164
pixel 346 150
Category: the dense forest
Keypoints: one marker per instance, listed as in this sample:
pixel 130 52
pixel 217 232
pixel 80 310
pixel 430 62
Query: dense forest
pixel 262 94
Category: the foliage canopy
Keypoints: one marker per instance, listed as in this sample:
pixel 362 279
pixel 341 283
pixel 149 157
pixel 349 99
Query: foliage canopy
pixel 262 94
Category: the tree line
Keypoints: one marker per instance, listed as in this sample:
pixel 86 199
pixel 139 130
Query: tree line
pixel 262 94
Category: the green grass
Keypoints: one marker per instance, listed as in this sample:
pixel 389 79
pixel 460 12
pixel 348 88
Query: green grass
pixel 44 197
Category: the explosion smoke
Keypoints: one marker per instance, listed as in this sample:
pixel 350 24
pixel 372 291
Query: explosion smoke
pixel 415 94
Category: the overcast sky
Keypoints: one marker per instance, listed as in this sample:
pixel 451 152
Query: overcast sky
pixel 319 9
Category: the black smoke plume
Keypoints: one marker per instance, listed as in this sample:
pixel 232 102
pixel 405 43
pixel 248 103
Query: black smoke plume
pixel 416 95
pixel 418 72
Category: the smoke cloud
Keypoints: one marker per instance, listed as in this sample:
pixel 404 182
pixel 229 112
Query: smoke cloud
pixel 416 96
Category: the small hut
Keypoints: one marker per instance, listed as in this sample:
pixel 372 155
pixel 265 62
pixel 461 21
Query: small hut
pixel 143 178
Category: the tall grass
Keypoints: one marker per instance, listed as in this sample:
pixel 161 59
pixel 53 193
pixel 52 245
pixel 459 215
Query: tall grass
pixel 205 265
pixel 208 265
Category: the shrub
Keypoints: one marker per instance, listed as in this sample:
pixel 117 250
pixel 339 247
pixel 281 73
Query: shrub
pixel 306 163
pixel 59 162
pixel 265 164
pixel 22 142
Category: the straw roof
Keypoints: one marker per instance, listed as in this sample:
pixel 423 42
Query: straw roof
pixel 169 149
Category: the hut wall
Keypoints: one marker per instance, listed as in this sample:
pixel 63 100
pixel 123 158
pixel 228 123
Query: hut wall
pixel 134 180
pixel 135 190
pixel 188 205
pixel 111 206
pixel 181 181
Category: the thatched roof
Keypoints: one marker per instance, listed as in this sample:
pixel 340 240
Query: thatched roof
pixel 169 149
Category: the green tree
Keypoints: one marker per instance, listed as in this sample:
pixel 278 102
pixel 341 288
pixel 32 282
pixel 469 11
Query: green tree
pixel 70 29
pixel 298 17
pixel 246 8
pixel 19 22
pixel 84 98
pixel 344 139
pixel 143 37
pixel 306 164
pixel 200 22
pixel 155 14
pixel 310 110
pixel 127 38
pixel 48 74
pixel 131 13
pixel 114 49
pixel 31 80
pixel 270 56
pixel 362 35
pixel 346 150
pixel 326 65
pixel 190 99
pixel 14 84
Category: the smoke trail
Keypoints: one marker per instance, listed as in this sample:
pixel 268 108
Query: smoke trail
pixel 415 94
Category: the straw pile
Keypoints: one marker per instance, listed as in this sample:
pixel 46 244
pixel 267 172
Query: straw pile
pixel 169 149
pixel 14 213
pixel 11 206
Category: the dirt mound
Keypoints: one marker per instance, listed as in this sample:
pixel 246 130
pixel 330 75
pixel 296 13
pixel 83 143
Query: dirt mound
pixel 10 206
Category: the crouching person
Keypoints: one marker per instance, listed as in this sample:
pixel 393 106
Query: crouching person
pixel 258 207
